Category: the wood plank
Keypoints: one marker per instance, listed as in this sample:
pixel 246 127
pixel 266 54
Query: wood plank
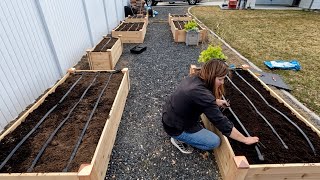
pixel 97 169
pixel 301 168
pixel 105 60
pixel 39 176
pixel 180 35
pixel 141 19
pixel 291 176
pixel 171 18
pixel 230 170
pixel 102 154
pixel 131 36
pixel 224 153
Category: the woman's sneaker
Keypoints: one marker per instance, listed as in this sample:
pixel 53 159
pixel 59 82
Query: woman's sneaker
pixel 183 147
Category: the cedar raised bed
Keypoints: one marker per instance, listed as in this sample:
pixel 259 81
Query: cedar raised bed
pixel 131 32
pixel 91 160
pixel 237 161
pixel 137 18
pixel 179 34
pixel 106 54
pixel 178 17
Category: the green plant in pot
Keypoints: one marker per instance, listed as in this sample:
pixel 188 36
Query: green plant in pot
pixel 192 33
pixel 191 26
pixel 212 52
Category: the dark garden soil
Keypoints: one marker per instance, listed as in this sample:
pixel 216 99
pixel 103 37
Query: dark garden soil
pixel 298 150
pixel 180 25
pixel 57 154
pixel 179 15
pixel 130 26
pixel 105 44
pixel 83 64
pixel 137 17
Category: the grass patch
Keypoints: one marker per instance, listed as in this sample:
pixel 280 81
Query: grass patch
pixel 261 35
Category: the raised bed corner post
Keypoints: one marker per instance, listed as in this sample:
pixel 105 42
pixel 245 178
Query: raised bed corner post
pixel 273 130
pixel 260 156
pixel 283 115
pixel 34 162
pixel 37 125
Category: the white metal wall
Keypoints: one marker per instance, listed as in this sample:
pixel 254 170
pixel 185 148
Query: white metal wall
pixel 68 29
pixel 276 2
pixel 41 39
pixel 112 17
pixel 97 19
pixel 306 4
pixel 26 62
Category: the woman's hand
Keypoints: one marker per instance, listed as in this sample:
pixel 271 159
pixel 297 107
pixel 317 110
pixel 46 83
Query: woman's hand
pixel 236 135
pixel 251 140
pixel 222 103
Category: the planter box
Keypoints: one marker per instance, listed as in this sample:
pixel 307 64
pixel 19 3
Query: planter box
pixel 137 18
pixel 234 167
pixel 131 32
pixel 192 38
pixel 104 59
pixel 97 168
pixel 179 34
pixel 178 17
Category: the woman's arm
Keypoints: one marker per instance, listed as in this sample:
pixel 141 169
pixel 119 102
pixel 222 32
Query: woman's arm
pixel 236 135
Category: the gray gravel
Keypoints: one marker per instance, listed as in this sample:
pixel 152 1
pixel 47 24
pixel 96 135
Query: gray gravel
pixel 142 149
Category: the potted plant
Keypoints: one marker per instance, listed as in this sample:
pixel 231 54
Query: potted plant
pixel 192 35
pixel 212 52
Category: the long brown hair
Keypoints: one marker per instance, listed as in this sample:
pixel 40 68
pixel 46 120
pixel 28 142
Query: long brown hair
pixel 208 73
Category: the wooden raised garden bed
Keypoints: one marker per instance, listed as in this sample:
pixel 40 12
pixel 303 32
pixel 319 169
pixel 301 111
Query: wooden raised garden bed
pixel 178 17
pixel 131 32
pixel 137 18
pixel 106 54
pixel 179 34
pixel 87 105
pixel 237 161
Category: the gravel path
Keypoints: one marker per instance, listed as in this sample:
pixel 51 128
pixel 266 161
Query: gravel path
pixel 142 149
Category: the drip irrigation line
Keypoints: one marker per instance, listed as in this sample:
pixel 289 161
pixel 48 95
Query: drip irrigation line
pixel 260 156
pixel 283 115
pixel 138 26
pixel 130 27
pixel 181 24
pixel 87 124
pixel 273 130
pixel 38 124
pixel 124 25
pixel 106 43
pixel 35 160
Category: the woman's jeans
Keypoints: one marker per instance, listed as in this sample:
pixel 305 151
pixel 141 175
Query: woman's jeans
pixel 203 139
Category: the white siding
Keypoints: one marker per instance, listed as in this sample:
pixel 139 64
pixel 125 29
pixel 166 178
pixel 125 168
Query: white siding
pixel 276 2
pixel 97 18
pixel 111 14
pixel 68 29
pixel 120 10
pixel 316 4
pixel 26 66
pixel 41 39
pixel 306 4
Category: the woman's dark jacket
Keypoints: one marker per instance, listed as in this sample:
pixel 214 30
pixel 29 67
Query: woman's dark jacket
pixel 184 107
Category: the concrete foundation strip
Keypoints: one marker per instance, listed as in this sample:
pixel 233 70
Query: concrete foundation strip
pixel 313 115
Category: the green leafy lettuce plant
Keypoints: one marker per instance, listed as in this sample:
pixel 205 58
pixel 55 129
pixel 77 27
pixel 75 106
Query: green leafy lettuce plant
pixel 191 25
pixel 210 53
